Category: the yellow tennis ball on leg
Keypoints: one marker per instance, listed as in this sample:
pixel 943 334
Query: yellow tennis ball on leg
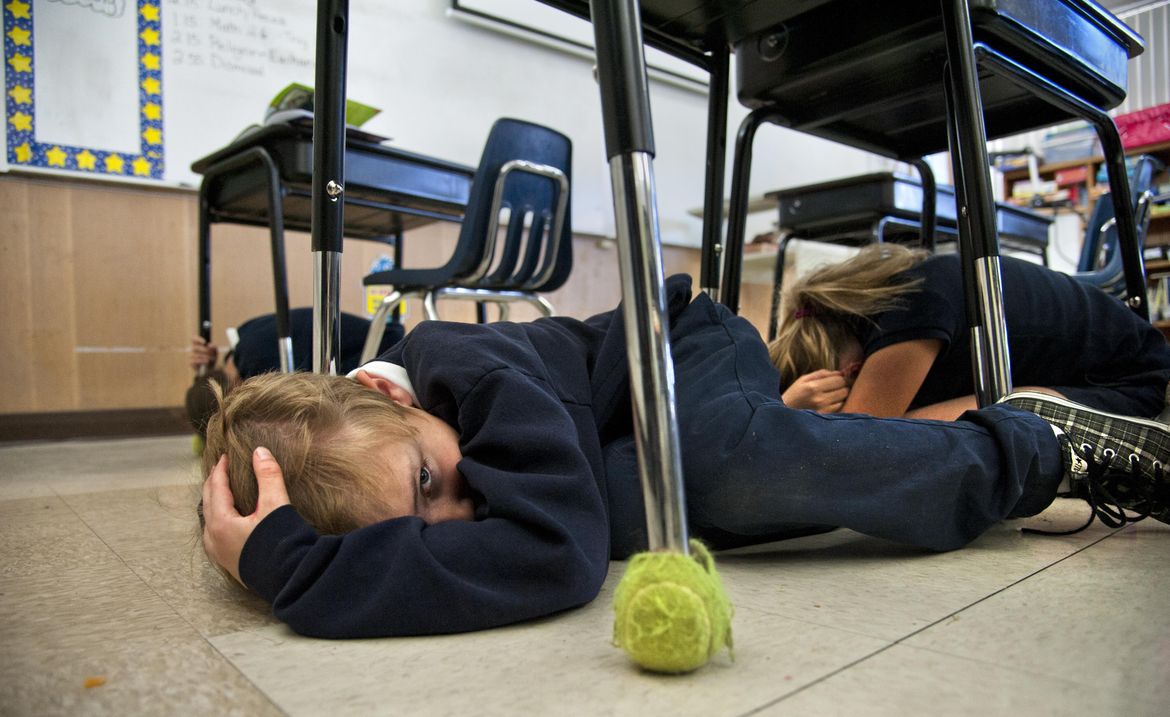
pixel 671 612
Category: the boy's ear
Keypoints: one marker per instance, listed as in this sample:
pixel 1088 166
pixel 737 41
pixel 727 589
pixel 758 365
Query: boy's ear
pixel 385 387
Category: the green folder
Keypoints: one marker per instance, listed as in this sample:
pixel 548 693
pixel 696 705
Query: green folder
pixel 298 96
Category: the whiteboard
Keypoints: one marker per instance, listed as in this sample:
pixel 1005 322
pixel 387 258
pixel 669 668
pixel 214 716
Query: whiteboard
pixel 545 24
pixel 137 90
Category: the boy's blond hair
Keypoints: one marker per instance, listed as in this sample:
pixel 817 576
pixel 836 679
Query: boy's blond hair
pixel 820 310
pixel 326 432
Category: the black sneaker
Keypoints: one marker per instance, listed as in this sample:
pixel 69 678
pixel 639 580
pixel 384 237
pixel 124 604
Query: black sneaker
pixel 1115 463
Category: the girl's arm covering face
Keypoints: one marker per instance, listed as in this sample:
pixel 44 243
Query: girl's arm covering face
pixel 891 377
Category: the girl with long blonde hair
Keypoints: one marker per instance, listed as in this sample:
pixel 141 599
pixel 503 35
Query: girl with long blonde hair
pixel 885 333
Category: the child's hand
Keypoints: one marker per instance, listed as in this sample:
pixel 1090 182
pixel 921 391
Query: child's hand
pixel 203 353
pixel 823 391
pixel 224 530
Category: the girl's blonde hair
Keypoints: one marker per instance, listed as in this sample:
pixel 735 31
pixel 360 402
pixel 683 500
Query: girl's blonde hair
pixel 820 310
pixel 326 432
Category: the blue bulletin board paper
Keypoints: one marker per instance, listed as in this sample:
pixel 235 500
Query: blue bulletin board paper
pixel 25 148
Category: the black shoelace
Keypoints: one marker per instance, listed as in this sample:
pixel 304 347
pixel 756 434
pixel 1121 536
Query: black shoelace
pixel 1103 504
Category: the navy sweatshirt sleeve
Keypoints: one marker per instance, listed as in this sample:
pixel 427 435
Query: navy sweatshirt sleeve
pixel 539 544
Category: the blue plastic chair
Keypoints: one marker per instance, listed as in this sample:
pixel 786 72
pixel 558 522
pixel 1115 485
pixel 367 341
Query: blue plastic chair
pixel 1100 261
pixel 521 187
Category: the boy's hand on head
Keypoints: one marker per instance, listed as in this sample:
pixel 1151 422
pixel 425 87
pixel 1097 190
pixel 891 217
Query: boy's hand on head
pixel 823 391
pixel 224 530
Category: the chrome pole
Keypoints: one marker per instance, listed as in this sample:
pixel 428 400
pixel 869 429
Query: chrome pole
pixel 648 349
pixel 997 370
pixel 326 300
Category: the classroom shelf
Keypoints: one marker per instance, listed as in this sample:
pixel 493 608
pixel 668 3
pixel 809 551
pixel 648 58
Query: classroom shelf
pixel 1088 191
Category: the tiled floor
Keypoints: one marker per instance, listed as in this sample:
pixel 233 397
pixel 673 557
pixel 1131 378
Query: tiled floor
pixel 102 577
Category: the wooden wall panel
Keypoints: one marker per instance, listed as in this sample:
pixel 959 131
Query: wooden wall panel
pixel 98 289
pixel 16 327
pixel 51 297
pixel 134 256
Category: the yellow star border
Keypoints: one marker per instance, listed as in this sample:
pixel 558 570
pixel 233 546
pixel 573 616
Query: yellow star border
pixel 20 105
pixel 18 9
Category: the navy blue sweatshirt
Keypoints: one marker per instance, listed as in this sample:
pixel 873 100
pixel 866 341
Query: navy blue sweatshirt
pixel 533 404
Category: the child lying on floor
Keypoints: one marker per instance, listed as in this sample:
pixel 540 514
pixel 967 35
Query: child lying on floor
pixel 479 475
pixel 885 333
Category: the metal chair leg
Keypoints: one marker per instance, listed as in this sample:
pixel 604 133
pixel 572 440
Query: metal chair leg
pixel 378 325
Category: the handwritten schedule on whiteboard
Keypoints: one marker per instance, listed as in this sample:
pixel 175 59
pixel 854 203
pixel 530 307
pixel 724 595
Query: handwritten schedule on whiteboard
pixel 225 60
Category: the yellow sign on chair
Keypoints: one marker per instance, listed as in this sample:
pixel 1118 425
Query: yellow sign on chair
pixel 374 297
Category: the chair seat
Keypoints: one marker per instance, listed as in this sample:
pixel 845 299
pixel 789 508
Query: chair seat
pixel 408 279
pixel 874 82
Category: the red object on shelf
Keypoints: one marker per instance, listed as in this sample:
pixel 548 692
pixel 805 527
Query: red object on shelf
pixel 1073 175
pixel 1144 127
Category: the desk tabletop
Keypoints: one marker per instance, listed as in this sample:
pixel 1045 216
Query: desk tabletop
pixel 830 207
pixel 387 190
pixel 269 135
pixel 689 28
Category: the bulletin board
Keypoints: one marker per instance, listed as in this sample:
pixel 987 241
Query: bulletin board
pixel 83 87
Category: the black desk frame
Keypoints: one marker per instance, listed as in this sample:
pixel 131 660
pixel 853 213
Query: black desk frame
pixel 275 195
pixel 243 169
pixel 618 34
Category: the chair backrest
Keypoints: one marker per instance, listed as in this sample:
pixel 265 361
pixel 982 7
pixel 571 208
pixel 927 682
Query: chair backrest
pixel 1100 261
pixel 525 174
pixel 1100 231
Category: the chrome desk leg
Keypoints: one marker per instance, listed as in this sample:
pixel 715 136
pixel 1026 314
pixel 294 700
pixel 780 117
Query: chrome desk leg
pixel 285 347
pixel 326 312
pixel 328 180
pixel 979 244
pixel 651 368
pixel 625 109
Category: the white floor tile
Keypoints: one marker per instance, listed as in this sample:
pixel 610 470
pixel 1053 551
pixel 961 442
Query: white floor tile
pixel 853 582
pixel 563 665
pixel 85 466
pixel 905 681
pixel 1100 618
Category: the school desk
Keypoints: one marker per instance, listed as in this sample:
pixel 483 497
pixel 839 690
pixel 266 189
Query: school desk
pixel 264 178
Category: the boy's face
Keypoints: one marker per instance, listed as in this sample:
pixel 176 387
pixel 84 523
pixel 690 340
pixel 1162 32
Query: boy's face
pixel 423 479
